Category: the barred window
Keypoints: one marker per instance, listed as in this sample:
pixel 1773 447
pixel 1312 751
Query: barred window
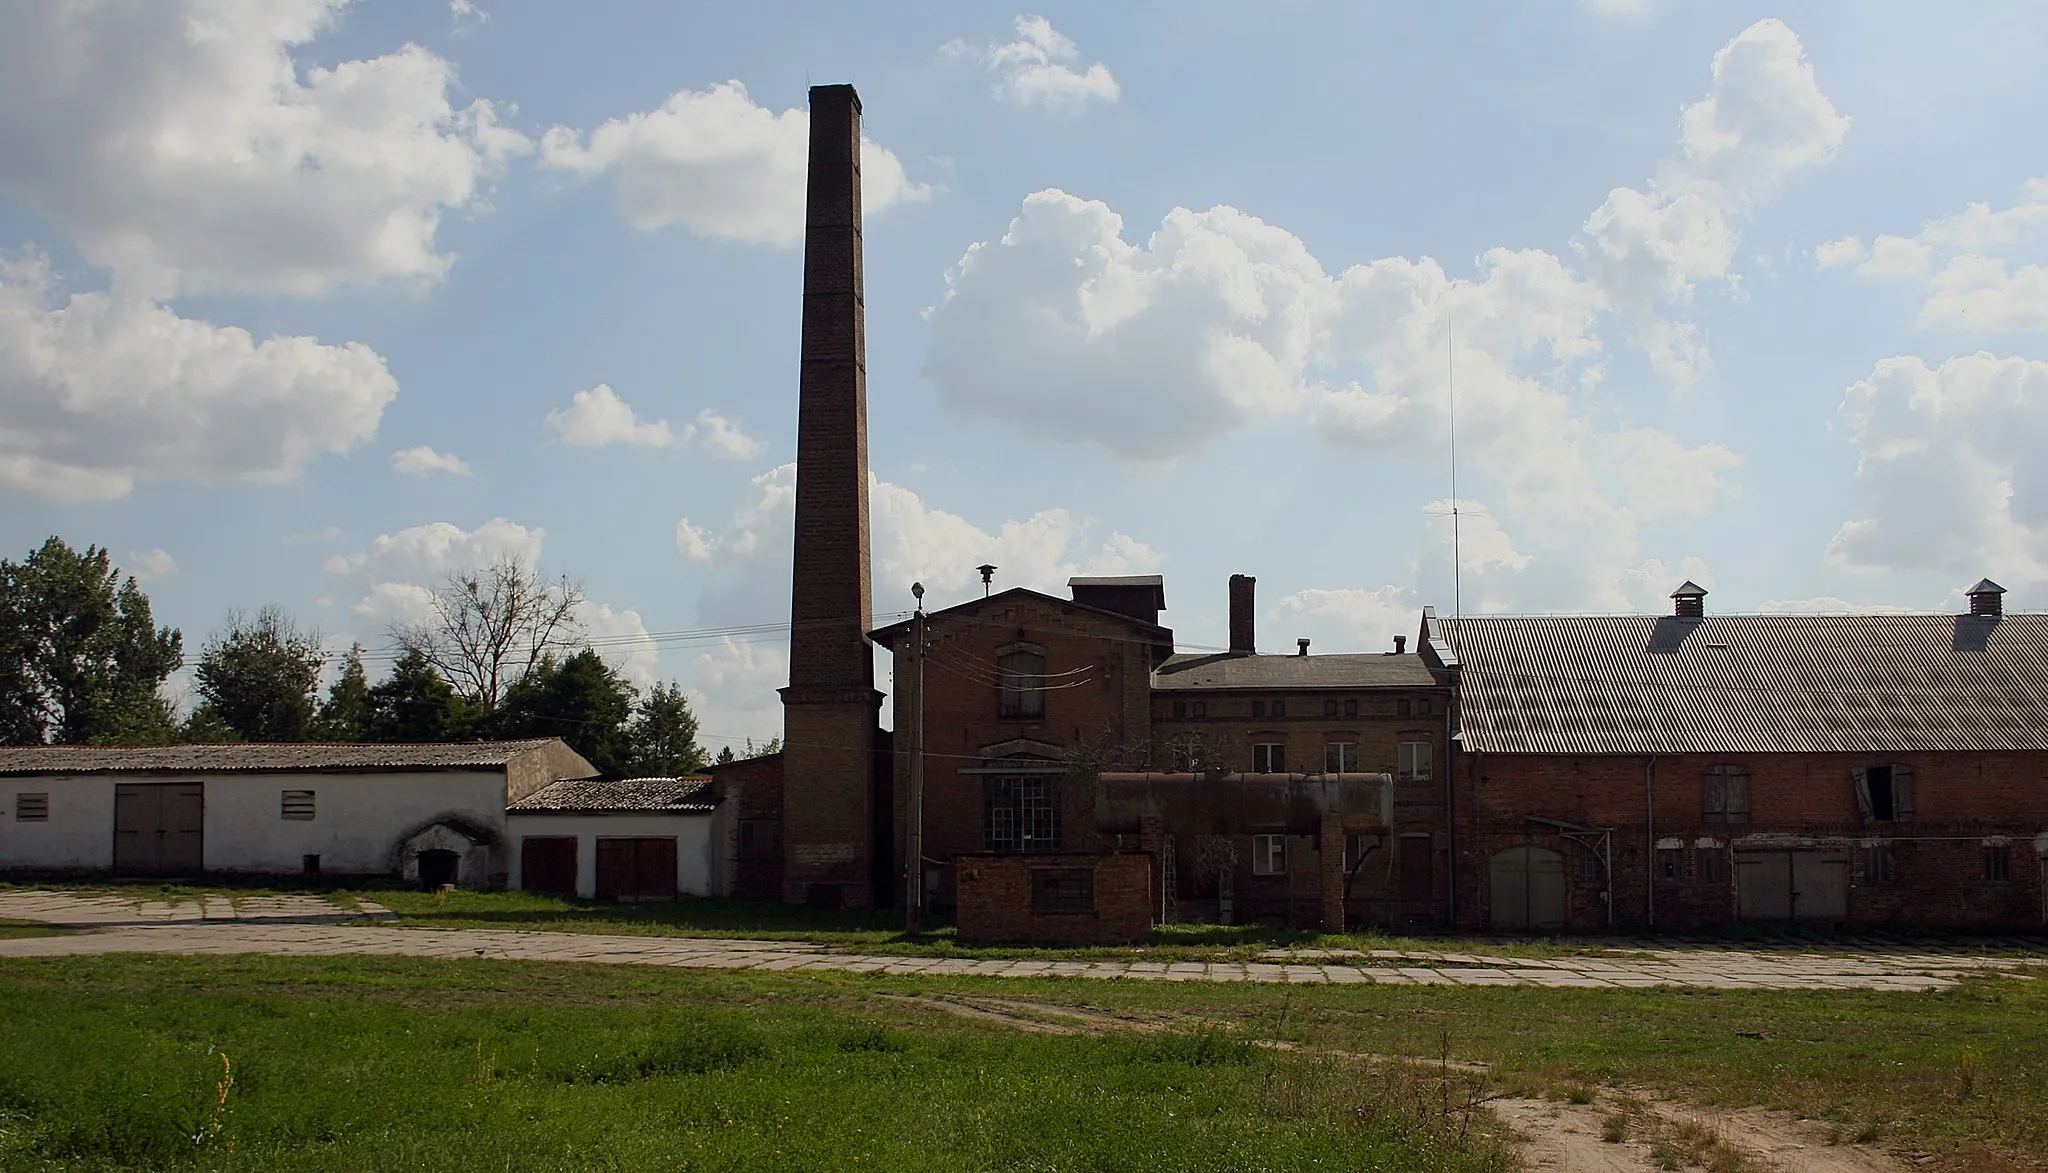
pixel 1063 889
pixel 297 805
pixel 1726 797
pixel 1022 814
pixel 1021 685
pixel 31 807
pixel 1998 864
pixel 1340 757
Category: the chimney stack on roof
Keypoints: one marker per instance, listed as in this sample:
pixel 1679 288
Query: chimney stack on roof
pixel 1241 614
pixel 1692 601
pixel 1301 647
pixel 1987 598
pixel 1400 644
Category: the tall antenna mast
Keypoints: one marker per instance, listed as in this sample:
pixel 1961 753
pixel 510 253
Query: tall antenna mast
pixel 1457 552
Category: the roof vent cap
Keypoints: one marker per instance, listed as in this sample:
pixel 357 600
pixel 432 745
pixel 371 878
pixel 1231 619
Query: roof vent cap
pixel 1692 600
pixel 1301 647
pixel 1400 644
pixel 1986 598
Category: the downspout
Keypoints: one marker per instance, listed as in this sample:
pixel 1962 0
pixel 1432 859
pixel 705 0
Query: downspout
pixel 1650 836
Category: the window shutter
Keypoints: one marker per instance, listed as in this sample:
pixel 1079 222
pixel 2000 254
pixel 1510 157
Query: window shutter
pixel 1902 794
pixel 1862 781
pixel 1738 796
pixel 1715 804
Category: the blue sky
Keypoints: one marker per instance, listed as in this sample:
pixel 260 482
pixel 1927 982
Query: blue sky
pixel 309 302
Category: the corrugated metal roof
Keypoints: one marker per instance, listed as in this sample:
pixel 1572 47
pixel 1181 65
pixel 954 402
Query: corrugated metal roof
pixel 631 796
pixel 1224 670
pixel 242 757
pixel 1642 684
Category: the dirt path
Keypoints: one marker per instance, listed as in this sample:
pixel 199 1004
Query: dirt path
pixel 1653 1134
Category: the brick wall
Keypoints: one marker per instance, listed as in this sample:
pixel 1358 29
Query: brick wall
pixel 1227 730
pixel 1964 804
pixel 754 788
pixel 995 899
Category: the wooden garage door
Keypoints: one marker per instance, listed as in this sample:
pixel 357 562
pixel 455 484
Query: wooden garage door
pixel 547 863
pixel 1528 889
pixel 641 868
pixel 1792 885
pixel 159 828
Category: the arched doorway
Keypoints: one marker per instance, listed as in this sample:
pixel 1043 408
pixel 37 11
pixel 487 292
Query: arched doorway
pixel 1528 889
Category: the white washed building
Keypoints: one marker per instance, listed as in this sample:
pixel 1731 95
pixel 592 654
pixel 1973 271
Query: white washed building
pixel 640 839
pixel 429 814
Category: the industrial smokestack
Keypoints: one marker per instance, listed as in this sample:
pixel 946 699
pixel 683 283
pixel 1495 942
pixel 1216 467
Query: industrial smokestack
pixel 1241 614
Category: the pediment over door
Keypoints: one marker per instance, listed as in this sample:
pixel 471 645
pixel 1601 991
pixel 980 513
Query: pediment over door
pixel 1024 747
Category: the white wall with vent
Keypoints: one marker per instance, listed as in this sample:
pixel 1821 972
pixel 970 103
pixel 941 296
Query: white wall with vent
pixel 77 835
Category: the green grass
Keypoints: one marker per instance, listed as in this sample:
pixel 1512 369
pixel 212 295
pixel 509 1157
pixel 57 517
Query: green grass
pixel 16 929
pixel 360 1063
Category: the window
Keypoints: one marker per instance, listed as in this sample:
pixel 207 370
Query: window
pixel 1063 889
pixel 1330 708
pixel 1020 690
pixel 297 805
pixel 1269 855
pixel 1201 709
pixel 1401 707
pixel 1269 757
pixel 1590 870
pixel 1713 867
pixel 1422 707
pixel 760 839
pixel 1351 708
pixel 1180 710
pixel 1877 865
pixel 1998 864
pixel 1258 708
pixel 1022 814
pixel 31 807
pixel 1670 864
pixel 1726 797
pixel 1884 794
pixel 1279 708
pixel 1340 757
pixel 1415 761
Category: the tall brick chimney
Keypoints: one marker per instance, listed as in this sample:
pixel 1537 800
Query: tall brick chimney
pixel 829 710
pixel 1241 613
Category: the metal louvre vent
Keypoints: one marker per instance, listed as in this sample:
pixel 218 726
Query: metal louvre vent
pixel 31 808
pixel 298 804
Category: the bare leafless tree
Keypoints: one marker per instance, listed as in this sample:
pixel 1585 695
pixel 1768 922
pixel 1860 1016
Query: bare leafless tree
pixel 489 626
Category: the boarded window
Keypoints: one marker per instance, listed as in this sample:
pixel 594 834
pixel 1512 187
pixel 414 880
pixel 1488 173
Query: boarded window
pixel 1998 864
pixel 1269 757
pixel 297 805
pixel 760 839
pixel 1063 889
pixel 31 807
pixel 1416 760
pixel 1726 797
pixel 1021 813
pixel 1340 757
pixel 1020 685
pixel 1269 855
pixel 1713 867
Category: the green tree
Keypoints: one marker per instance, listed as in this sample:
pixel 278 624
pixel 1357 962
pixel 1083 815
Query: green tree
pixel 261 675
pixel 664 733
pixel 346 714
pixel 726 756
pixel 578 699
pixel 415 704
pixel 81 660
pixel 205 726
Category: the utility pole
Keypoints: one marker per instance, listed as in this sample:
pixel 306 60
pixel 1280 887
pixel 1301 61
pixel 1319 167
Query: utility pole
pixel 913 896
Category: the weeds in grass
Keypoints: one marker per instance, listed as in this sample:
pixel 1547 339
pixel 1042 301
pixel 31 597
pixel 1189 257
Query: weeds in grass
pixel 209 1131
pixel 1966 1074
pixel 875 1039
pixel 1614 1129
pixel 699 1047
pixel 1579 1093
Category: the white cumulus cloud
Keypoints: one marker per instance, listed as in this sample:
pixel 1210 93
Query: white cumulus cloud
pixel 180 144
pixel 1982 268
pixel 422 461
pixel 598 418
pixel 1042 67
pixel 100 390
pixel 150 565
pixel 717 163
pixel 1949 468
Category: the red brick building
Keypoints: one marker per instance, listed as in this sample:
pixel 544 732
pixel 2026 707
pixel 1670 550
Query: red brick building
pixel 1692 769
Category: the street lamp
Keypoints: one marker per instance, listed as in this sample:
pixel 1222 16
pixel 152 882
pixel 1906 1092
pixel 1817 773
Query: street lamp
pixel 913 897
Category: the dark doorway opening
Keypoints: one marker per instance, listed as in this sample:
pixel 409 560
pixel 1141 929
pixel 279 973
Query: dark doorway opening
pixel 438 868
pixel 1882 807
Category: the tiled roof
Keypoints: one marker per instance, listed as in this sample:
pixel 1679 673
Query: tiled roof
pixel 1752 683
pixel 1224 670
pixel 267 758
pixel 631 796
